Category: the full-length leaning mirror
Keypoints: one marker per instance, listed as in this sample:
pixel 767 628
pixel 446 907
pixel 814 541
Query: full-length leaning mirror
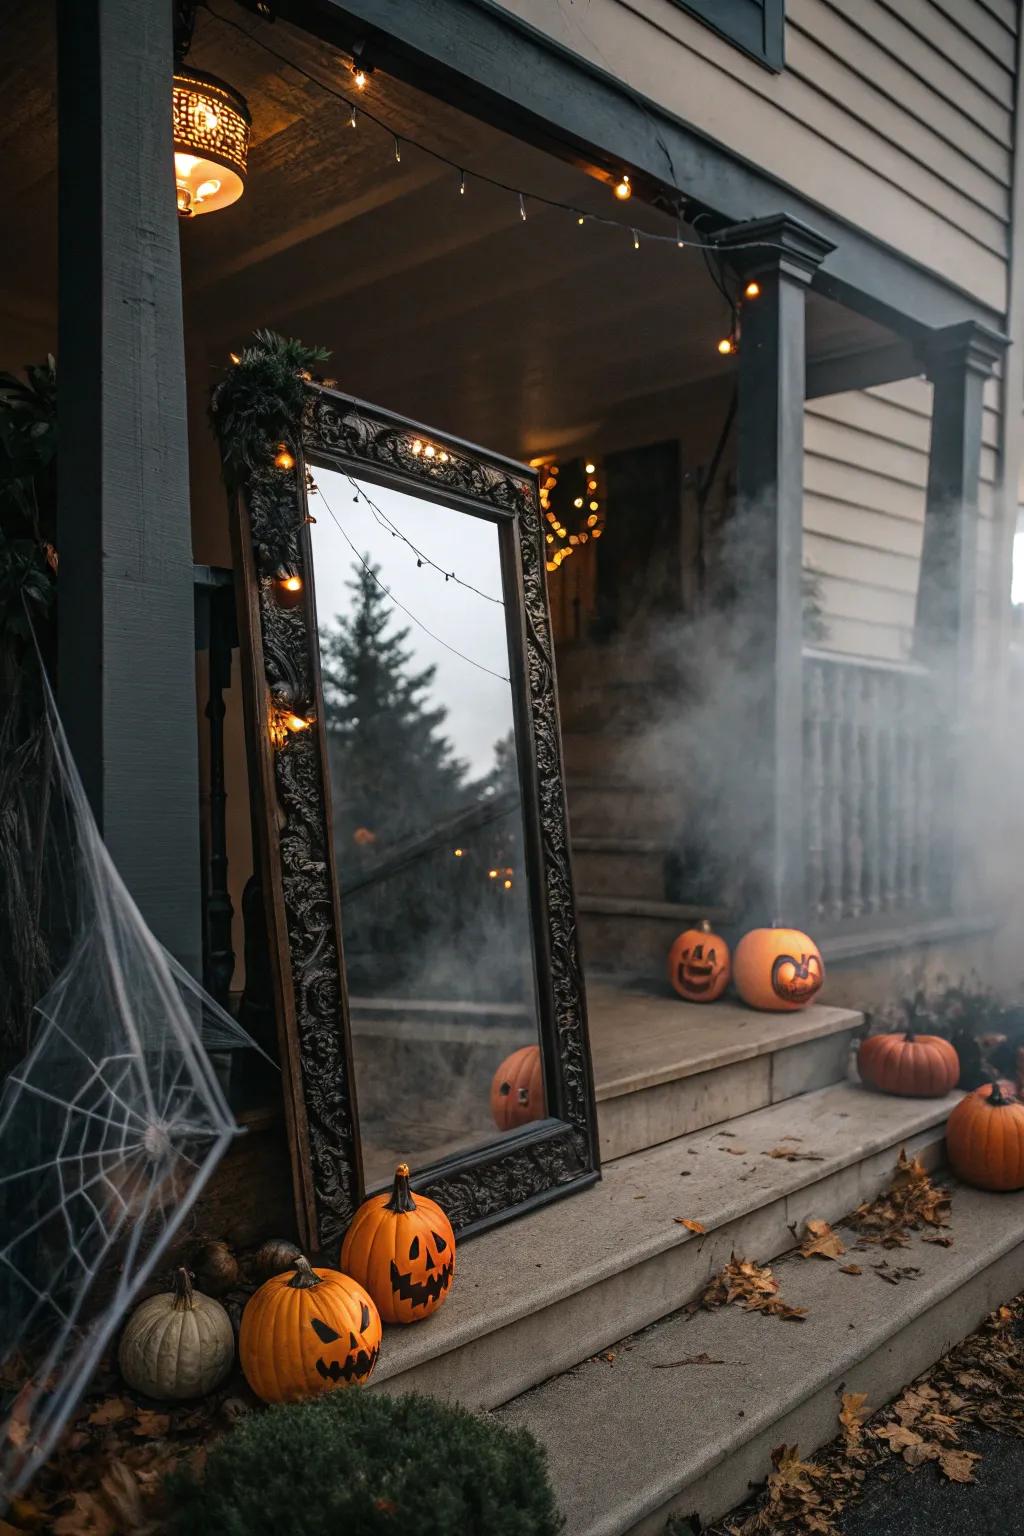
pixel 412 827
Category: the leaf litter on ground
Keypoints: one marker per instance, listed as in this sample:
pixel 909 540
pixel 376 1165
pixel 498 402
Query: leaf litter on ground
pixel 752 1285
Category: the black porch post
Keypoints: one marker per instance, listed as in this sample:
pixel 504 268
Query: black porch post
pixel 127 680
pixel 766 550
pixel 958 360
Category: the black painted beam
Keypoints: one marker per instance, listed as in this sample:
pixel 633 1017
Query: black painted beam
pixel 481 58
pixel 127 666
pixel 765 552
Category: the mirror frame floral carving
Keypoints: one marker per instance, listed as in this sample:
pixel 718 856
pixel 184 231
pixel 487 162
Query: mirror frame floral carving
pixel 290 785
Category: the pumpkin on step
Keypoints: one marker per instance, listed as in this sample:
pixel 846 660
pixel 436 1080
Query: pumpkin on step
pixel 517 1089
pixel 915 1066
pixel 176 1345
pixel 777 969
pixel 401 1247
pixel 698 964
pixel 307 1331
pixel 985 1139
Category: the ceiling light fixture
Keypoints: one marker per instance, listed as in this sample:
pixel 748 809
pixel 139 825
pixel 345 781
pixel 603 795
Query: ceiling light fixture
pixel 211 142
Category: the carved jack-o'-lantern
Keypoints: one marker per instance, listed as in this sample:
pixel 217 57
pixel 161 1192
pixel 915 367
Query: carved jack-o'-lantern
pixel 402 1248
pixel 698 964
pixel 778 969
pixel 517 1089
pixel 307 1331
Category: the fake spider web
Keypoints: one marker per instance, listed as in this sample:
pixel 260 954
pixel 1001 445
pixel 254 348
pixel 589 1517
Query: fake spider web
pixel 109 1130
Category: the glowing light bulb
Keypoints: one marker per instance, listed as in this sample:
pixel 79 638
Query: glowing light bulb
pixel 591 485
pixel 492 874
pixel 581 220
pixel 457 852
pixel 284 458
pixel 429 451
pixel 207 189
pixel 592 519
pixel 578 502
pixel 442 457
pixel 234 358
pixel 292 583
pixel 593 506
pixel 507 884
pixel 359 77
pixel 417 447
pixel 623 190
pixel 589 468
pixel 297 723
pixel 752 290
pixel 725 346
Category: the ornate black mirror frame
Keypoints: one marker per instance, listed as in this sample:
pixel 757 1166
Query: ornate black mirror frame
pixel 287 754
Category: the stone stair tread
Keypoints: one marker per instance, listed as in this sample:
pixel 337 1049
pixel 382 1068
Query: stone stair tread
pixel 588 843
pixel 641 1038
pixel 562 1249
pixel 690 1420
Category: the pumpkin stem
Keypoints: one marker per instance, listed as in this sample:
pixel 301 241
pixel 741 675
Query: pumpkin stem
pixel 304 1277
pixel 909 1037
pixel 401 1195
pixel 997 1095
pixel 704 925
pixel 183 1293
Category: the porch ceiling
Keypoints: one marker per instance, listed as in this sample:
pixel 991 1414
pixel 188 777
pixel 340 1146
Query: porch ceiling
pixel 526 336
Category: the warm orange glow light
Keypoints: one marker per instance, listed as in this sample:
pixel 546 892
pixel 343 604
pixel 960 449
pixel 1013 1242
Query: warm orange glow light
pixel 292 583
pixel 590 468
pixel 359 76
pixel 623 190
pixel 284 458
pixel 211 142
pixel 752 290
pixel 725 346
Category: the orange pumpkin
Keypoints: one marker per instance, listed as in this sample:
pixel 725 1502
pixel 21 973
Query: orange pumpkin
pixel 402 1248
pixel 916 1066
pixel 517 1089
pixel 307 1331
pixel 698 964
pixel 777 969
pixel 985 1139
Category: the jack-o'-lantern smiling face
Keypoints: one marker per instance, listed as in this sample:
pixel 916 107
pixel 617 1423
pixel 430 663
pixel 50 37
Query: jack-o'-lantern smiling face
pixel 797 980
pixel 356 1356
pixel 698 965
pixel 431 1264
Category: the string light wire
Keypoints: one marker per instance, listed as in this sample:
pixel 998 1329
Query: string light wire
pixel 501 677
pixel 422 558
pixel 491 181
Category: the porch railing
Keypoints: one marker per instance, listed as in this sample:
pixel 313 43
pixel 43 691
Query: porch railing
pixel 875 788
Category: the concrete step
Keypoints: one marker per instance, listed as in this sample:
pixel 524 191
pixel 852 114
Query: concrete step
pixel 609 807
pixel 702 1434
pixel 632 936
pixel 619 866
pixel 538 1295
pixel 664 1068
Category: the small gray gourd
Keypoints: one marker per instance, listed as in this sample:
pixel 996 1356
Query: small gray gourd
pixel 179 1344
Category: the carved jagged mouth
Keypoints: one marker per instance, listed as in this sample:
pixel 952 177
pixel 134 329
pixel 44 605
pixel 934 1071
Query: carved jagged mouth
pixel 804 982
pixel 419 1292
pixel 352 1368
pixel 687 982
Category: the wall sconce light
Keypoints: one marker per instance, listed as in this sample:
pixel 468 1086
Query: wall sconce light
pixel 211 125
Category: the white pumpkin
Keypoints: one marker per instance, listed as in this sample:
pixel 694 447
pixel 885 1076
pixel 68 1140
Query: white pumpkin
pixel 178 1344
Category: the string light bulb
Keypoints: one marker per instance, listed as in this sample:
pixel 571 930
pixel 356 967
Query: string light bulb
pixel 292 583
pixel 726 346
pixel 623 190
pixel 590 469
pixel 359 77
pixel 284 458
pixel 752 290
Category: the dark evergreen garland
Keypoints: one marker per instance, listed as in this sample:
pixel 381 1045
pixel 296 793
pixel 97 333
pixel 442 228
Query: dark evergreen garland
pixel 258 402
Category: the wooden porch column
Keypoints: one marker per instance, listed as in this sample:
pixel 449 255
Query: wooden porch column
pixel 127 664
pixel 766 550
pixel 958 360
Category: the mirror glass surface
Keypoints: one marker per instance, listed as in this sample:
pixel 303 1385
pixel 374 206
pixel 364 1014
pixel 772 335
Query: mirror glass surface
pixel 428 822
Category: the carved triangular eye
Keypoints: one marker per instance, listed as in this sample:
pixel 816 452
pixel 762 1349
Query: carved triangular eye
pixel 414 1248
pixel 505 1090
pixel 325 1334
pixel 711 957
pixel 439 1242
pixel 698 952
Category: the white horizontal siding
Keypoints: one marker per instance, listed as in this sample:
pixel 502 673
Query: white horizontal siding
pixel 896 114
pixel 865 477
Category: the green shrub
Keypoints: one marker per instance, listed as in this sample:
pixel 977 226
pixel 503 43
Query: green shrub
pixel 361 1463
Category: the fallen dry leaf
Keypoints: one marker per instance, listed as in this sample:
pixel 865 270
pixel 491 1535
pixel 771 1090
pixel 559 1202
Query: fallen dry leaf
pixel 690 1225
pixel 150 1423
pixel 850 1269
pixel 911 1200
pixel 110 1411
pixel 821 1242
pixel 940 1239
pixel 853 1413
pixel 792 1156
pixel 958 1465
pixel 736 1151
